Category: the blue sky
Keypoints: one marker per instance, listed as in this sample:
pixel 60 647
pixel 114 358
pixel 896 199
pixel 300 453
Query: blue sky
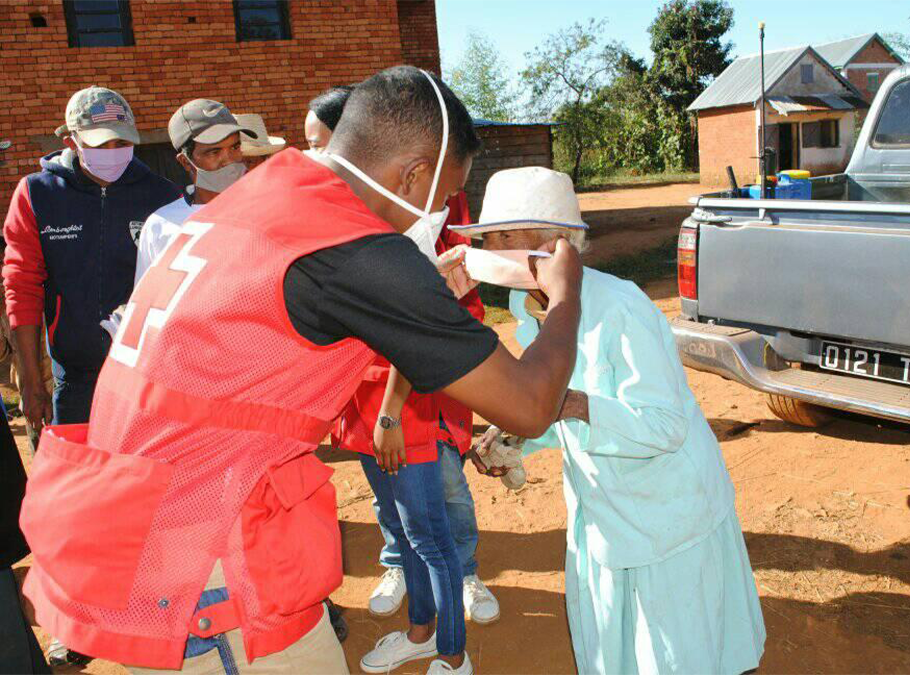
pixel 517 26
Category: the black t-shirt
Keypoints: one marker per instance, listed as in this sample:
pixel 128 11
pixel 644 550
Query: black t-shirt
pixel 383 290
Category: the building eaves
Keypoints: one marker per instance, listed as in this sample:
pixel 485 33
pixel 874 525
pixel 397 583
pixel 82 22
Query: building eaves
pixel 841 52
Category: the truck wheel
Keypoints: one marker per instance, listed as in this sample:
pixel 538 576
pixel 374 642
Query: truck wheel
pixel 798 412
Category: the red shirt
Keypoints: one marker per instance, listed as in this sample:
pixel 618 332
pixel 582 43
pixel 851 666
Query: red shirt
pixel 421 412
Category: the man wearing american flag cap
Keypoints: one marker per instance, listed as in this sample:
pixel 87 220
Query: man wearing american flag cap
pixel 70 255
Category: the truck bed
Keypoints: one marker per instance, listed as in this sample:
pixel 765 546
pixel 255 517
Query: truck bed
pixel 823 267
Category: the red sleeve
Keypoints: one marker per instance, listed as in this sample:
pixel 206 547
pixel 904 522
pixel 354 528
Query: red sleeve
pixel 24 272
pixel 459 215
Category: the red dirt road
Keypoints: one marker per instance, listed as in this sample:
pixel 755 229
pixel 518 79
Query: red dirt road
pixel 825 515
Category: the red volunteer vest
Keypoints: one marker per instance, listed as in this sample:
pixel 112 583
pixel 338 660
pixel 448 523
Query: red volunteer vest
pixel 200 443
pixel 420 415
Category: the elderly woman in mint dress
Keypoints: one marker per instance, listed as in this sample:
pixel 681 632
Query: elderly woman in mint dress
pixel 658 579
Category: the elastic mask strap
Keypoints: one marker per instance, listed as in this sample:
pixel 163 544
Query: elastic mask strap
pixel 376 186
pixel 445 141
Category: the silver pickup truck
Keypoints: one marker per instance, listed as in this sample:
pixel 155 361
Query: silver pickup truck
pixel 809 300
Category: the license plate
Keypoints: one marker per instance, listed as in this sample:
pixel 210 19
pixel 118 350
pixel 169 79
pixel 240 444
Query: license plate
pixel 874 363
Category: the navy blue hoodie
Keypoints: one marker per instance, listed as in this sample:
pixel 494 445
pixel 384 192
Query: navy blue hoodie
pixel 87 249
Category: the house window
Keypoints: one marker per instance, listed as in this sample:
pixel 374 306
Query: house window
pixel 872 81
pixel 98 23
pixel 829 134
pixel 807 71
pixel 261 20
pixel 823 134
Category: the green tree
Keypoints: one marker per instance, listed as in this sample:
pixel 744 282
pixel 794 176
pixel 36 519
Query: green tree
pixel 688 47
pixel 689 51
pixel 900 42
pixel 480 80
pixel 563 77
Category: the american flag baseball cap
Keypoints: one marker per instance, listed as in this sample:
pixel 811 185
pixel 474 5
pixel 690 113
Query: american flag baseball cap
pixel 99 115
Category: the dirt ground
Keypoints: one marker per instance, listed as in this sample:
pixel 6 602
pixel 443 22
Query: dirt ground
pixel 825 515
pixel 628 220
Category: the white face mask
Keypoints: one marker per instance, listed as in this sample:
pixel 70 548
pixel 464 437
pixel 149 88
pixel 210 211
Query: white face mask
pixel 502 268
pixel 220 179
pixel 425 231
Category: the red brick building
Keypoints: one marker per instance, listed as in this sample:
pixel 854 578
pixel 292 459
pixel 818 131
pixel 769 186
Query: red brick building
pixel 264 56
pixel 865 60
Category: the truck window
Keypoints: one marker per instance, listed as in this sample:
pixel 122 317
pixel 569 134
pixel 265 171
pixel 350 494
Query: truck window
pixel 893 128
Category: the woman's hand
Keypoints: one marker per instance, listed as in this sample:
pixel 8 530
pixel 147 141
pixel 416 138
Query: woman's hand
pixel 575 406
pixel 451 266
pixel 388 448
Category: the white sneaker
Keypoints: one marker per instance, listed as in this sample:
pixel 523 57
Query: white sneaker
pixel 440 667
pixel 395 649
pixel 389 593
pixel 480 605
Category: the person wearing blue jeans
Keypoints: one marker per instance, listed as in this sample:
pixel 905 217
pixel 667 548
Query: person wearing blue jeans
pixel 412 505
pixel 480 604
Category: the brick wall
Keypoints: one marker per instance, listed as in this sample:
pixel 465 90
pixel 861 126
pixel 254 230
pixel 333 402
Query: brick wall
pixel 419 37
pixel 187 49
pixel 727 136
pixel 874 52
pixel 507 147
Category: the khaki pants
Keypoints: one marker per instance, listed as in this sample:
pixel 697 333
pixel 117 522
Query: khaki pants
pixel 316 653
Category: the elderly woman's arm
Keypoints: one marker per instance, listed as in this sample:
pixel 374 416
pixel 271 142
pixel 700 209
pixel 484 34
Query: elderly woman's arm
pixel 646 416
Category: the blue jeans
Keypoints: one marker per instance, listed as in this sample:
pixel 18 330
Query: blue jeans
pixel 459 508
pixel 72 400
pixel 413 509
pixel 197 646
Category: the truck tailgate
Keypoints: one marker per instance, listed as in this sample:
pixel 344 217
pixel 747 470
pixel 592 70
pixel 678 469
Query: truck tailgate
pixel 831 273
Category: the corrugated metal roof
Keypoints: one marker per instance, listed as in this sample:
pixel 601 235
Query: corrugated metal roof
pixel 740 83
pixel 840 52
pixel 824 102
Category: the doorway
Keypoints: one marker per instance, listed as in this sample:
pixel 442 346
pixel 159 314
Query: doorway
pixel 788 138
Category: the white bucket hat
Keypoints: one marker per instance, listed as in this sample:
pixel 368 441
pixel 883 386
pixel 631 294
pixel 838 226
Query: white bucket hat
pixel 529 198
pixel 263 144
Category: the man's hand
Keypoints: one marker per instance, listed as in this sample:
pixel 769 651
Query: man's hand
pixel 575 406
pixel 451 266
pixel 558 276
pixel 388 448
pixel 36 404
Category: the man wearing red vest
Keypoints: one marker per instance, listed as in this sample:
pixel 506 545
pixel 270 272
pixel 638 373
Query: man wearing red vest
pixel 190 515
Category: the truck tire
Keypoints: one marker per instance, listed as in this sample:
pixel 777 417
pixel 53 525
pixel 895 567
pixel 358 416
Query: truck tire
pixel 798 412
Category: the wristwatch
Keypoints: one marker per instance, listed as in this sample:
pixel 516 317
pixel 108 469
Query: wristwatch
pixel 387 422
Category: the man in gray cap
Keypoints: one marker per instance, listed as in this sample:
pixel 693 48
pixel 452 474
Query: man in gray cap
pixel 70 256
pixel 206 137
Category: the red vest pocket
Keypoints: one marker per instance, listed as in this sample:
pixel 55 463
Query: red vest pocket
pixel 87 514
pixel 291 539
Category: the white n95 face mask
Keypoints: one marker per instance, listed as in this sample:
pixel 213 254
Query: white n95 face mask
pixel 425 231
pixel 502 268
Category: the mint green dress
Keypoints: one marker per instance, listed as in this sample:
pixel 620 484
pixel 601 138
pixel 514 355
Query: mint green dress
pixel 658 579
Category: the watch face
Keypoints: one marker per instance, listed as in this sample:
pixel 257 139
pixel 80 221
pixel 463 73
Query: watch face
pixel 385 422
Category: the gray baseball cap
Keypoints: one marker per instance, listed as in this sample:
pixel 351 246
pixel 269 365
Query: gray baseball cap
pixel 203 121
pixel 99 115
